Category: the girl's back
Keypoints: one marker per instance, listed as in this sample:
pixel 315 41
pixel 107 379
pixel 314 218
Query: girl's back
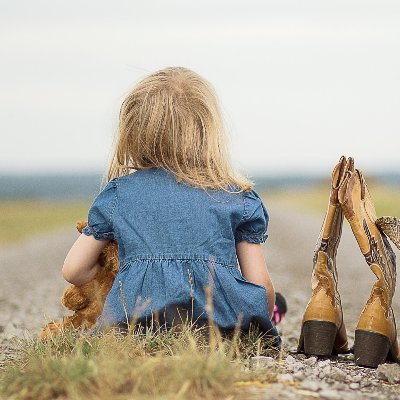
pixel 183 219
pixel 175 239
pixel 154 216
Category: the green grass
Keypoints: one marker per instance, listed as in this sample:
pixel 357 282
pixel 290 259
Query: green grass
pixel 183 363
pixel 315 199
pixel 21 218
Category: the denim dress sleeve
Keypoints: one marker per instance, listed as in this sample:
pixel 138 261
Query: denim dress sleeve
pixel 253 226
pixel 100 222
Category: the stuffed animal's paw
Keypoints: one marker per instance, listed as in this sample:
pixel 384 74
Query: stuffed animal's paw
pixel 74 299
pixel 51 329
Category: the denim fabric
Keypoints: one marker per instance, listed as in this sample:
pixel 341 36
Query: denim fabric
pixel 173 240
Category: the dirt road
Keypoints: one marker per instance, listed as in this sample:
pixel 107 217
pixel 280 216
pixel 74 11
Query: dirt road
pixel 31 285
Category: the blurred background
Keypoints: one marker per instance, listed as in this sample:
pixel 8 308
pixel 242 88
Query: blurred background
pixel 300 84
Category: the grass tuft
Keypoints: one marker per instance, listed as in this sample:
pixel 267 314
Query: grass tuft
pixel 184 362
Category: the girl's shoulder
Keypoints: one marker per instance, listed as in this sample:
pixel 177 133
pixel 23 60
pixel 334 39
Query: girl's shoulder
pixel 145 173
pixel 158 179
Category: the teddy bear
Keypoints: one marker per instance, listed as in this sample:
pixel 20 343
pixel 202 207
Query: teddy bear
pixel 87 301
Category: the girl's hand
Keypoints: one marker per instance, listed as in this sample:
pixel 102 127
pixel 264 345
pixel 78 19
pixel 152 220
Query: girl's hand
pixel 254 269
pixel 80 265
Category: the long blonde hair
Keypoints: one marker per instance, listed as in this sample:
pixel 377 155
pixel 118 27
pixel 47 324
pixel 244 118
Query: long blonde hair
pixel 171 119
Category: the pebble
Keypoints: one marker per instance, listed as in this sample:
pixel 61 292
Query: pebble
pixel 310 361
pixel 338 375
pixel 10 331
pixel 299 376
pixel 312 385
pixel 325 372
pixel 290 359
pixel 356 378
pixel 389 372
pixel 285 378
pixel 354 385
pixel 295 367
pixel 347 357
pixel 339 386
pixel 324 363
pixel 330 394
pixel 262 362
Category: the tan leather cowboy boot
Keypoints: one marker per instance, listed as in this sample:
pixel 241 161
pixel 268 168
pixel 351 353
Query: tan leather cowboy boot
pixel 375 336
pixel 323 331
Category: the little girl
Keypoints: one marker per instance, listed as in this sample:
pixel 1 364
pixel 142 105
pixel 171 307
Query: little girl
pixel 180 215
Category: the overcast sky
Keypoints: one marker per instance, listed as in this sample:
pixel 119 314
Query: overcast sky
pixel 300 82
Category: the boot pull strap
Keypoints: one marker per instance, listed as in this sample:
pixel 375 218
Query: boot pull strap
pixel 363 185
pixel 390 226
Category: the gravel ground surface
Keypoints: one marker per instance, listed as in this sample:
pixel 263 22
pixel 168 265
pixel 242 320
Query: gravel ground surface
pixel 31 287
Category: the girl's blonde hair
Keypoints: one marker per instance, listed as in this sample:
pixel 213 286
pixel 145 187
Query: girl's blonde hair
pixel 171 119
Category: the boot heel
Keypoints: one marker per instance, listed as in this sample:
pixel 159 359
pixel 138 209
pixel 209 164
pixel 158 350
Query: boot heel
pixel 319 337
pixel 370 348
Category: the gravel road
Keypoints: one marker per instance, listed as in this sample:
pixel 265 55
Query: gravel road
pixel 31 286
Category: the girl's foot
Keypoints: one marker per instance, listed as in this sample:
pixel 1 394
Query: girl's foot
pixel 280 309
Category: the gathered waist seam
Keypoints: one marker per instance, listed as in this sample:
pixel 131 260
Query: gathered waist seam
pixel 211 260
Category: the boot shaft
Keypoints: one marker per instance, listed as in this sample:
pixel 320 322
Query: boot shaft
pixel 358 207
pixel 331 230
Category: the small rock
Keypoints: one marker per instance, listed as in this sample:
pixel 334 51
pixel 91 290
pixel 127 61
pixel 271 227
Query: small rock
pixel 338 375
pixel 347 357
pixel 310 384
pixel 330 394
pixel 326 370
pixel 324 363
pixel 285 378
pixel 356 378
pixel 389 372
pixel 299 376
pixel 354 385
pixel 339 386
pixel 295 367
pixel 366 384
pixel 10 331
pixel 310 361
pixel 262 362
pixel 290 360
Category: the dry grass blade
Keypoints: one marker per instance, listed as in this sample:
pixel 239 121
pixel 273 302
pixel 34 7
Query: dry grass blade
pixel 185 361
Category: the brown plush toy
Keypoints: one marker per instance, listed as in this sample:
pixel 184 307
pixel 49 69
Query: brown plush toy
pixel 87 301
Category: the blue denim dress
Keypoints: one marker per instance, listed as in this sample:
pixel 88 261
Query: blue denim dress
pixel 173 241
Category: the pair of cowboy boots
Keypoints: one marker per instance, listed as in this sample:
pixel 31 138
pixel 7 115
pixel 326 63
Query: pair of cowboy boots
pixel 323 332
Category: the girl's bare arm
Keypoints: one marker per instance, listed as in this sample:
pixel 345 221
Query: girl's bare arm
pixel 81 264
pixel 254 268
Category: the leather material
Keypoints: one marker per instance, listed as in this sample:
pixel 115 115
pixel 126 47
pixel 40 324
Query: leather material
pixel 390 226
pixel 377 315
pixel 325 304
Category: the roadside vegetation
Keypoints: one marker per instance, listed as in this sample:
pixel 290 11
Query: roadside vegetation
pixel 180 363
pixel 315 199
pixel 20 219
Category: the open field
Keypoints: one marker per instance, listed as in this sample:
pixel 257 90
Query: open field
pixel 315 199
pixel 21 218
